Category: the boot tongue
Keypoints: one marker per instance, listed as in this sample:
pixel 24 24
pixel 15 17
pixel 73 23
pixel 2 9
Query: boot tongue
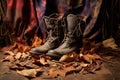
pixel 71 26
pixel 72 22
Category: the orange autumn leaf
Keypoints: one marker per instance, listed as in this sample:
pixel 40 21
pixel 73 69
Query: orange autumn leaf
pixel 60 72
pixel 90 57
pixel 20 47
pixel 36 42
pixel 26 48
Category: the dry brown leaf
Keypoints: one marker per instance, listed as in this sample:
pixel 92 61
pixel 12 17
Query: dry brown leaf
pixel 60 72
pixel 45 56
pixel 90 57
pixel 29 72
pixel 93 67
pixel 23 47
pixel 18 55
pixel 83 64
pixel 32 66
pixel 23 63
pixel 68 57
pixel 64 58
pixel 43 61
pixel 68 64
pixel 8 58
pixel 53 73
pixel 66 70
pixel 110 43
pixel 81 55
pixel 26 48
pixel 10 53
pixel 25 55
pixel 20 47
pixel 16 67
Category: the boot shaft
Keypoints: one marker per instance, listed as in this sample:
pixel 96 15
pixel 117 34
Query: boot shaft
pixel 73 26
pixel 53 26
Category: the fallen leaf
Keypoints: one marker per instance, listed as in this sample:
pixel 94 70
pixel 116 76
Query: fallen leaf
pixel 64 58
pixel 79 68
pixel 45 56
pixel 18 55
pixel 43 61
pixel 23 47
pixel 110 43
pixel 36 41
pixel 83 64
pixel 20 47
pixel 90 57
pixel 9 53
pixel 16 67
pixel 29 72
pixel 67 70
pixel 8 58
pixel 53 72
pixel 68 64
pixel 68 57
pixel 32 66
pixel 15 51
pixel 26 48
pixel 22 63
pixel 25 55
pixel 82 70
pixel 81 55
pixel 35 57
pixel 93 67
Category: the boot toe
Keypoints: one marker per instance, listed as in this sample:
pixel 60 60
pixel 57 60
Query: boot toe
pixel 53 53
pixel 33 50
pixel 36 51
pixel 59 52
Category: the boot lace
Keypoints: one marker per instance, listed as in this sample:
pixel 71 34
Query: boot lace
pixel 70 37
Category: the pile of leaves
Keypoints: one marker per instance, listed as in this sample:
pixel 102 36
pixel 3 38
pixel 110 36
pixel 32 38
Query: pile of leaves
pixel 86 61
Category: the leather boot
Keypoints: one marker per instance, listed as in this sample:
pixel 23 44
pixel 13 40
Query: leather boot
pixel 54 37
pixel 72 38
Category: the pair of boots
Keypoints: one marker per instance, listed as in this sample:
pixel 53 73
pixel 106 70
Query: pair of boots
pixel 64 36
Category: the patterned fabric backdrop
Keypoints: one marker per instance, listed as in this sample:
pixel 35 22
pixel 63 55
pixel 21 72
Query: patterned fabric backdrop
pixel 25 16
